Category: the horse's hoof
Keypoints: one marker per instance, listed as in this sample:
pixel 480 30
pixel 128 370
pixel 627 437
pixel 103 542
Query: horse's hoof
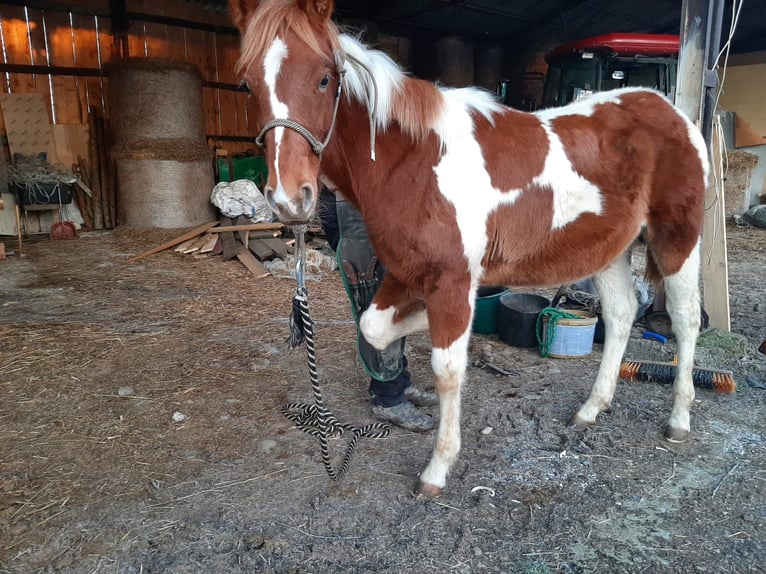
pixel 676 435
pixel 425 490
pixel 579 424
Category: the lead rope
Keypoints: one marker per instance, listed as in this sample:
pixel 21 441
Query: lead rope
pixel 315 419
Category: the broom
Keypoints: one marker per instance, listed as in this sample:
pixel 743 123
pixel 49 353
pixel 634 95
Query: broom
pixel 718 380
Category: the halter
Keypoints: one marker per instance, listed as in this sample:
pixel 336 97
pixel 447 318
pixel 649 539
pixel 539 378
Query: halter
pixel 317 146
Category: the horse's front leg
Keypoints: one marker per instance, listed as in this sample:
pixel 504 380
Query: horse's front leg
pixel 394 313
pixel 450 311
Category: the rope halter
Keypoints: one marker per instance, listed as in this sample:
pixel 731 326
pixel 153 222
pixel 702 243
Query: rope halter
pixel 316 146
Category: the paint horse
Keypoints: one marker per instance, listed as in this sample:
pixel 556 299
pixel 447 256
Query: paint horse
pixel 458 191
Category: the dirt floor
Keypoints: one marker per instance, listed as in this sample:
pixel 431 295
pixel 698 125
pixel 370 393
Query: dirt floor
pixel 140 432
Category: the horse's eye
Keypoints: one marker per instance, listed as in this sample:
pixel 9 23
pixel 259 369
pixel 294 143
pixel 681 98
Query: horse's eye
pixel 325 81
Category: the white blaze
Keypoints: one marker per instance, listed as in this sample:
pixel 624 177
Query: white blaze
pixel 272 64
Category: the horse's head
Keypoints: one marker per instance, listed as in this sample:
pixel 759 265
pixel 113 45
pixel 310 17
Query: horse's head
pixel 291 64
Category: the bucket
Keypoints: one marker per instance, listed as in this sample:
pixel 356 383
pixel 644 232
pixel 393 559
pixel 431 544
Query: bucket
pixel 571 337
pixel 485 313
pixel 517 318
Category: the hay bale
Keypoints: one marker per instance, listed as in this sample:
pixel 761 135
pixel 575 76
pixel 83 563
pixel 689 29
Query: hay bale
pixel 154 98
pixel 164 193
pixel 738 175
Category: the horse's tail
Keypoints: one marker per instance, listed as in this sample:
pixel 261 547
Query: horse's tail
pixel 652 272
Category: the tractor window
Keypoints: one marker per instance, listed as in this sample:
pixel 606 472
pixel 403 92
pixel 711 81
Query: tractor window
pixel 580 78
pixel 552 87
pixel 621 72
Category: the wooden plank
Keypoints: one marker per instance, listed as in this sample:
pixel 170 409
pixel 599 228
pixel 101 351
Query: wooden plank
pixel 715 274
pixel 255 266
pixel 70 142
pixel 173 242
pixel 38 52
pixel 212 241
pixel 279 247
pixel 248 227
pixel 16 47
pixel 229 245
pixel 27 123
pixel 258 248
pixel 185 244
pixel 197 244
pixel 227 53
pixel 60 42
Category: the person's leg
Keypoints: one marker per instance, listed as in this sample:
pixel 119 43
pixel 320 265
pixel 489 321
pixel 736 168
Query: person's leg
pixel 390 382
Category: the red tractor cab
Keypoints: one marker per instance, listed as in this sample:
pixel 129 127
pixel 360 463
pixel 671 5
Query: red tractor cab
pixel 610 61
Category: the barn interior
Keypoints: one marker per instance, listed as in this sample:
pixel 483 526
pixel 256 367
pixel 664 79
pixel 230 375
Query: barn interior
pixel 145 300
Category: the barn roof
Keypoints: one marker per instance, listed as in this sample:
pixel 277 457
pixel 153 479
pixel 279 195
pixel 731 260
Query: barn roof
pixel 516 23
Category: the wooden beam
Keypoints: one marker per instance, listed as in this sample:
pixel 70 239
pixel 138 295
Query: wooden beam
pixel 715 274
pixel 700 38
pixel 248 227
pixel 259 248
pixel 249 261
pixel 279 247
pixel 173 242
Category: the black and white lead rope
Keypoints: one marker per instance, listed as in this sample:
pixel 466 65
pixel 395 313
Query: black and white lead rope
pixel 315 419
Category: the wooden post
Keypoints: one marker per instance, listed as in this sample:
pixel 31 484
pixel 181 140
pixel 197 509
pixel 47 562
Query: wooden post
pixel 715 268
pixel 95 170
pixel 700 42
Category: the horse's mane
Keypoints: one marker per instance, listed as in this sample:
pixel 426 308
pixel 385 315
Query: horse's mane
pixel 416 105
pixel 272 20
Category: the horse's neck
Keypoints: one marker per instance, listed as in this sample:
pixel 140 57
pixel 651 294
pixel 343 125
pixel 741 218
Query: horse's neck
pixel 348 162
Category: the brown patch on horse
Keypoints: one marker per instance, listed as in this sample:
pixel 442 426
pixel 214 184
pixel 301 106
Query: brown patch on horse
pixel 282 15
pixel 523 250
pixel 393 293
pixel 635 152
pixel 514 148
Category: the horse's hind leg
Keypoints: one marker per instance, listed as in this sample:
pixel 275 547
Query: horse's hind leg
pixel 618 306
pixel 683 306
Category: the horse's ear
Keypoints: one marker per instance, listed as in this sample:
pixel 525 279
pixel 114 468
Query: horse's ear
pixel 240 11
pixel 319 11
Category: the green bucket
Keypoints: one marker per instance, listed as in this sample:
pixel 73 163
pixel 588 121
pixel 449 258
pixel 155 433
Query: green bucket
pixel 485 312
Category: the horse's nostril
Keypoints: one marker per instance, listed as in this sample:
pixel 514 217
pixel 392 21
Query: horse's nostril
pixel 268 193
pixel 308 196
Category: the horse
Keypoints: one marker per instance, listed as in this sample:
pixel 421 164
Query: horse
pixel 458 191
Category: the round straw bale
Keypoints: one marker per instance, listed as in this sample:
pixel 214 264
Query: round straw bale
pixel 153 98
pixel 164 193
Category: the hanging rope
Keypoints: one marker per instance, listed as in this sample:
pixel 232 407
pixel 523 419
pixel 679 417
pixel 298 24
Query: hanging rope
pixel 554 316
pixel 315 419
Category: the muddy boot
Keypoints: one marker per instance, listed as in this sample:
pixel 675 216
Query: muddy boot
pixel 421 398
pixel 404 415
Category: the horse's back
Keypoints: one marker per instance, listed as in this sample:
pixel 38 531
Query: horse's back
pixel 611 165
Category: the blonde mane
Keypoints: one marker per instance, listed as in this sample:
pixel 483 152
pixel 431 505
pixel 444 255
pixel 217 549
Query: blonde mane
pixel 271 20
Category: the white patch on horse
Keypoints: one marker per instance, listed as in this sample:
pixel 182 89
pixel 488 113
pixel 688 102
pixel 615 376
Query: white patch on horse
pixel 573 195
pixel 378 327
pixel 272 64
pixel 463 180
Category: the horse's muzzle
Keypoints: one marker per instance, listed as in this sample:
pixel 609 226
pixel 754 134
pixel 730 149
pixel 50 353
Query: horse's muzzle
pixel 292 210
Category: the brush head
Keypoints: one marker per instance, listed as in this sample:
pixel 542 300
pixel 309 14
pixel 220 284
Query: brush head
pixel 717 380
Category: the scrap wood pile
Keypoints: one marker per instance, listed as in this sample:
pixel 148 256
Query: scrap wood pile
pixel 251 243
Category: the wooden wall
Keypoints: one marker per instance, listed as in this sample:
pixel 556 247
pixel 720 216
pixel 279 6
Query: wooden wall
pixel 79 39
